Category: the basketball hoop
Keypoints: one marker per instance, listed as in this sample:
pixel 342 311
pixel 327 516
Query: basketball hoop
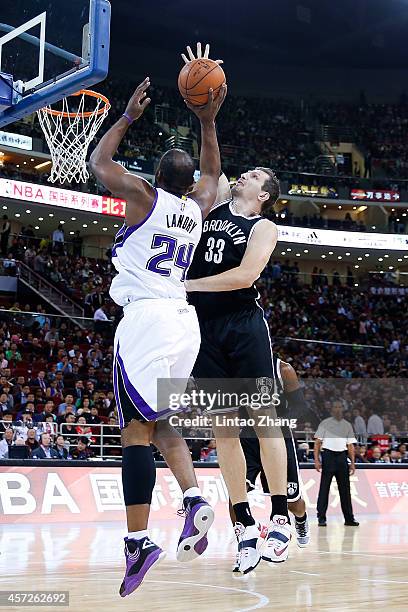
pixel 69 131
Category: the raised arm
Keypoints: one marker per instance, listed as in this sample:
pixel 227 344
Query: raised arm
pixel 223 190
pixel 137 192
pixel 260 247
pixel 204 191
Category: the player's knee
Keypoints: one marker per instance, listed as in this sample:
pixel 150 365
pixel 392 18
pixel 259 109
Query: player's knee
pixel 137 433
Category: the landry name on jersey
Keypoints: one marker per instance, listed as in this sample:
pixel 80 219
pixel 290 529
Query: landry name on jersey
pixel 152 257
pixel 222 246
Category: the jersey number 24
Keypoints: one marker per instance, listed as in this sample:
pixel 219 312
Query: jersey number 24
pixel 180 255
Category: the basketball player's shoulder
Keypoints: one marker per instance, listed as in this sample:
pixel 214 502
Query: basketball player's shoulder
pixel 265 228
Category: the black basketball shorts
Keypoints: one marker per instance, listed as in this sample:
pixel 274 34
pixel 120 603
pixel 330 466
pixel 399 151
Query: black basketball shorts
pixel 252 453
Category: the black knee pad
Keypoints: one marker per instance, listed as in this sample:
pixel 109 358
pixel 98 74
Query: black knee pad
pixel 138 475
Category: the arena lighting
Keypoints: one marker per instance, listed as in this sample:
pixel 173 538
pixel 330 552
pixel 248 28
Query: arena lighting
pixel 399 259
pixel 373 227
pixel 323 256
pixel 84 225
pixel 28 211
pixel 50 214
pixel 283 252
pixel 359 258
pixel 366 254
pixel 25 163
pixel 392 209
pixel 104 229
pixel 288 250
pixel 72 233
pixel 283 215
pixel 405 256
pixel 380 259
pixel 356 284
pixel 18 165
pixel 390 267
pixel 386 256
pixel 305 251
pixel 284 201
pixel 73 218
pixel 116 225
pixel 32 159
pixel 340 207
pixel 330 252
pixel 17 214
pixel 94 222
pixel 43 165
pixel 62 222
pixel 4 207
pixel 354 207
pixel 404 214
pixel 297 254
pixel 37 227
pixel 347 254
pixel 356 266
pixel 41 218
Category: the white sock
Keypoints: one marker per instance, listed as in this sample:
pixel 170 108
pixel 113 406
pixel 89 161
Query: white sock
pixel 137 535
pixel 192 492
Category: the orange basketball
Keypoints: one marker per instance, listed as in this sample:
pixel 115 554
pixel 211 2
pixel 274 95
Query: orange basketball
pixel 197 77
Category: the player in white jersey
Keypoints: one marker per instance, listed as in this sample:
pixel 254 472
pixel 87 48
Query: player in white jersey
pixel 158 337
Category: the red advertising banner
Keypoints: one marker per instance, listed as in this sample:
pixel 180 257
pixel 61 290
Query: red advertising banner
pixel 375 196
pixel 82 494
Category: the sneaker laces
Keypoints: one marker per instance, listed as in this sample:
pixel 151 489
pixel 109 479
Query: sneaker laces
pixel 301 529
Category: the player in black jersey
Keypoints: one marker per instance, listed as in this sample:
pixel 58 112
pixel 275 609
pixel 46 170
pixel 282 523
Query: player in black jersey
pixel 292 405
pixel 236 244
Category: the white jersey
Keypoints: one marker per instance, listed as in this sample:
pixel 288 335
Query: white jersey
pixel 152 257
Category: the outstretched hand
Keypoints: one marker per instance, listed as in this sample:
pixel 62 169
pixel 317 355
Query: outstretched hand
pixel 191 57
pixel 138 102
pixel 208 112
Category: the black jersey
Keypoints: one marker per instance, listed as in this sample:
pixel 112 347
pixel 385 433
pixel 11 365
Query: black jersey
pixel 222 246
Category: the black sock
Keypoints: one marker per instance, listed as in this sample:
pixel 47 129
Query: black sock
pixel 301 519
pixel 243 514
pixel 279 506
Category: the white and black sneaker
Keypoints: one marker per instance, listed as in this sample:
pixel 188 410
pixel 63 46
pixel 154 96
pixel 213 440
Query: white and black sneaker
pixel 302 533
pixel 248 547
pixel 276 548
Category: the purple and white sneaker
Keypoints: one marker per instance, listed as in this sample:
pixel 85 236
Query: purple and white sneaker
pixel 199 518
pixel 140 555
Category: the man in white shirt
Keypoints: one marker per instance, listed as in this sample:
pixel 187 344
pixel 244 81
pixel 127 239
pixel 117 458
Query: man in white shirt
pixel 360 427
pixel 335 438
pixel 100 314
pixel 375 424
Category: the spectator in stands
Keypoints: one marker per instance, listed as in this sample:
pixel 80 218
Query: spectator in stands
pixel 61 449
pixel 111 436
pixel 58 239
pixel 69 402
pixel 40 381
pixel 395 456
pixel 44 451
pixel 82 450
pixel 360 454
pixel 4 235
pixel 6 442
pixel 375 424
pixel 404 453
pixel 31 440
pixel 376 455
pixel 209 452
pixel 304 453
pixel 47 412
pixel 10 265
pixel 68 429
pixel 93 418
pixel 5 403
pixel 7 419
pixel 359 426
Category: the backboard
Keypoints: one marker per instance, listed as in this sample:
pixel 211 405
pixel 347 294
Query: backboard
pixel 52 48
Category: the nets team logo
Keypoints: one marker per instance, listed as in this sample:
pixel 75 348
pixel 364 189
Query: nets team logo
pixel 292 489
pixel 264 385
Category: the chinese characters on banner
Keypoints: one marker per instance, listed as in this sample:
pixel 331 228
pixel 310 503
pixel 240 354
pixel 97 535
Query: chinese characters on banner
pixel 67 494
pixel 65 198
pixel 374 196
pixel 314 191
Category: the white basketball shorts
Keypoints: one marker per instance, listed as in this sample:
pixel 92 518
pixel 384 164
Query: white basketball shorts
pixel 157 339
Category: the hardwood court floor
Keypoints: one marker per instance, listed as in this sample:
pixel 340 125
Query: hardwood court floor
pixel 344 568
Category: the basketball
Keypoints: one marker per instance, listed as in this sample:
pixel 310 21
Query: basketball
pixel 197 77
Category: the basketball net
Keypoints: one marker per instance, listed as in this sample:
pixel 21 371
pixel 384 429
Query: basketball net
pixel 69 132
